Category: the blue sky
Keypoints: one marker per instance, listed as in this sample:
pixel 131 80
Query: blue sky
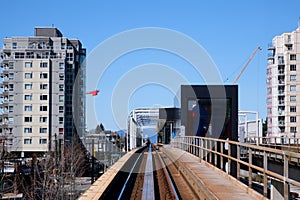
pixel 228 30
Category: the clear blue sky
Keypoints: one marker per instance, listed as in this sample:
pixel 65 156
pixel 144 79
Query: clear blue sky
pixel 228 30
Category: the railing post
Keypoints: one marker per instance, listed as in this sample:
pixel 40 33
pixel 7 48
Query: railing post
pixel 238 163
pixel 216 155
pixel 194 145
pixel 201 148
pixel 198 146
pixel 210 153
pixel 206 150
pixel 285 176
pixel 229 158
pixel 191 145
pixel 265 175
pixel 221 158
pixel 250 168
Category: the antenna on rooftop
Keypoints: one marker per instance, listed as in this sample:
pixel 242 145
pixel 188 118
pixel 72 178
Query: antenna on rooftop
pixel 52 25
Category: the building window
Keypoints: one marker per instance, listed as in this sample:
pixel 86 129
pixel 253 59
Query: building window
pixel 43 65
pixel 293 57
pixel 43 108
pixel 293 129
pixel 27 130
pixel 61 120
pixel 27 141
pixel 43 76
pixel 28 97
pixel 61 130
pixel 61 98
pixel 292 98
pixel 293 88
pixel 28 64
pixel 43 130
pixel 27 108
pixel 10 109
pixel 11 87
pixel 292 108
pixel 280 60
pixel 61 87
pixel 61 109
pixel 43 97
pixel 11 65
pixel 289 48
pixel 11 76
pixel 293 119
pixel 28 75
pixel 292 77
pixel 43 119
pixel 43 141
pixel 27 119
pixel 43 86
pixel 69 57
pixel 28 86
pixel 61 65
pixel 11 98
pixel 14 45
pixel 10 120
pixel 293 68
pixel 61 76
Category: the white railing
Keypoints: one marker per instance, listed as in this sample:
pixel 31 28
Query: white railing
pixel 218 152
pixel 289 142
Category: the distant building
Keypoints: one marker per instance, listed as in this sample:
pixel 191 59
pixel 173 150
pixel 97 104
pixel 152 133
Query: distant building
pixel 168 125
pixel 37 90
pixel 137 121
pixel 108 146
pixel 283 88
pixel 250 126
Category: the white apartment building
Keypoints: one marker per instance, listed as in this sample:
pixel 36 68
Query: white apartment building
pixel 37 79
pixel 283 85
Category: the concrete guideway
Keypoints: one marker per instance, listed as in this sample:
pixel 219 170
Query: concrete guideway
pixel 96 190
pixel 204 180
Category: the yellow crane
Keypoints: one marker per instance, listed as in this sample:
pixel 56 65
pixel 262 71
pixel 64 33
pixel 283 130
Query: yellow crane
pixel 247 63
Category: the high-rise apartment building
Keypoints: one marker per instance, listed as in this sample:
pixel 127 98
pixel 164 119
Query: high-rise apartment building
pixel 37 91
pixel 283 85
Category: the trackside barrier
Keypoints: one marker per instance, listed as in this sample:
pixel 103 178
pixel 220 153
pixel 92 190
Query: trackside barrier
pixel 212 150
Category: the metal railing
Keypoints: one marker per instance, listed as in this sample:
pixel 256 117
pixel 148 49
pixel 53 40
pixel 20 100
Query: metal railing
pixel 212 150
pixel 289 142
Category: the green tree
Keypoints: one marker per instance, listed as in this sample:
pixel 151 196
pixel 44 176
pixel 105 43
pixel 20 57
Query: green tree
pixel 102 127
pixel 98 129
pixel 265 127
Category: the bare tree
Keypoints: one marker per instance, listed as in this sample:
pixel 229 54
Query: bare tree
pixel 53 176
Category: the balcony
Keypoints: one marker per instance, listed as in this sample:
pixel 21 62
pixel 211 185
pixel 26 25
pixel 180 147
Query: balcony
pixel 281 122
pixel 280 102
pixel 288 41
pixel 281 71
pixel 280 62
pixel 281 81
pixel 271 46
pixel 270 56
pixel 281 112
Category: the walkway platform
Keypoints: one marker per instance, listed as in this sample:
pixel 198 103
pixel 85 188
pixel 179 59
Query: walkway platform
pixel 208 181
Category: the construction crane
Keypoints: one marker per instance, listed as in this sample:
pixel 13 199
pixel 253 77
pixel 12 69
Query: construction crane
pixel 247 63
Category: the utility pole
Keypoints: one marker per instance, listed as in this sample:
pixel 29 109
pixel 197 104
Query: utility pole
pixel 2 167
pixel 93 160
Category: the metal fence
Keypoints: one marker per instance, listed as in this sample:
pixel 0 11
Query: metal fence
pixel 219 153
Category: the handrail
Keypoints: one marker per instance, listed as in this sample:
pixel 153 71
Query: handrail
pixel 206 149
